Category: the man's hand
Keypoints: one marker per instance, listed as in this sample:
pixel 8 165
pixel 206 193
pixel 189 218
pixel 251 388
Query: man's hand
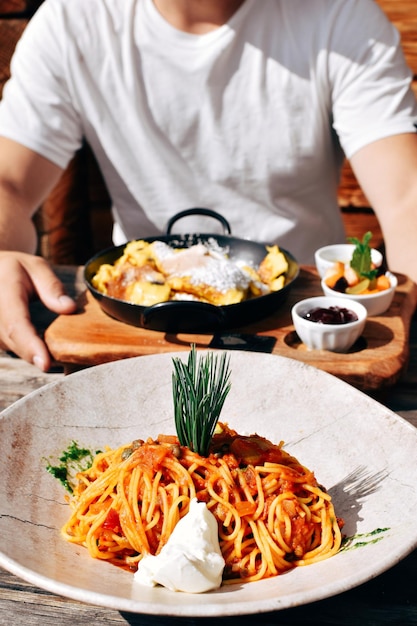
pixel 26 178
pixel 22 278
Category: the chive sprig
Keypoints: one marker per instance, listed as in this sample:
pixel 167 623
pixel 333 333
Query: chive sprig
pixel 199 387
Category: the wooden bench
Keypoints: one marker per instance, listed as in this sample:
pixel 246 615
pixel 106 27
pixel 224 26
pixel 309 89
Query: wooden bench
pixel 75 221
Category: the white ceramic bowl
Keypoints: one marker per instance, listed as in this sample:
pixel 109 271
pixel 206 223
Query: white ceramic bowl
pixel 332 337
pixel 375 303
pixel 326 257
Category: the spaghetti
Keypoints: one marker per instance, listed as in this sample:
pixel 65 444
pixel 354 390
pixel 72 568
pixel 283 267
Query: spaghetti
pixel 272 514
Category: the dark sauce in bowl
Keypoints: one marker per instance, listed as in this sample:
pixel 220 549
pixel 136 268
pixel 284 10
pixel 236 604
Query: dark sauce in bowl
pixel 331 315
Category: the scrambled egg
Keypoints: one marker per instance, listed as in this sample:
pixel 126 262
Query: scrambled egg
pixel 148 273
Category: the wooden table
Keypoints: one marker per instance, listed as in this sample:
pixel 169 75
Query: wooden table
pixel 375 362
pixel 389 599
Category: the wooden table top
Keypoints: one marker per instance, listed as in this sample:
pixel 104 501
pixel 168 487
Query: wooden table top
pixel 375 361
pixel 390 598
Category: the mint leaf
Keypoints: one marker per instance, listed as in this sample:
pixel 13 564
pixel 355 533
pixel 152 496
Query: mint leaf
pixel 361 260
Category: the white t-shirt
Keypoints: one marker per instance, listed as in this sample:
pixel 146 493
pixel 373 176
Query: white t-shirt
pixel 248 120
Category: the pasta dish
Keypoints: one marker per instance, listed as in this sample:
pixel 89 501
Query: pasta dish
pixel 272 514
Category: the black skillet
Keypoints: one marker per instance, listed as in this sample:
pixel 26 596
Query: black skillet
pixel 194 317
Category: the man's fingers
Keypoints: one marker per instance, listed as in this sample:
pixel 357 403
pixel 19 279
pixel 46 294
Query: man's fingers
pixel 48 287
pixel 23 341
pixel 17 333
pixel 22 277
pixel 53 296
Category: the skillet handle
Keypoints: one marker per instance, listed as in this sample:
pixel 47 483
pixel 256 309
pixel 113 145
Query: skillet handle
pixel 177 316
pixel 199 211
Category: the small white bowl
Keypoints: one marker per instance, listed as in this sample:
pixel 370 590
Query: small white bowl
pixel 375 303
pixel 326 257
pixel 332 337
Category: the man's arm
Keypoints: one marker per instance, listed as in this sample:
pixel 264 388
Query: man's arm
pixel 25 180
pixel 387 173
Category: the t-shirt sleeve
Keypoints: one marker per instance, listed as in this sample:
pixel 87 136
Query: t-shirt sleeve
pixel 370 81
pixel 37 109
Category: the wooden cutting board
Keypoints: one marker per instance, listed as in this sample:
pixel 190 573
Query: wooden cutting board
pixel 91 337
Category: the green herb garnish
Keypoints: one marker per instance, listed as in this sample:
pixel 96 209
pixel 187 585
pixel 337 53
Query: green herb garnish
pixel 73 460
pixel 199 388
pixel 363 539
pixel 361 260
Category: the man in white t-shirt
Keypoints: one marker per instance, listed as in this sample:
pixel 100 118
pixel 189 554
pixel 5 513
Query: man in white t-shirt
pixel 242 106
